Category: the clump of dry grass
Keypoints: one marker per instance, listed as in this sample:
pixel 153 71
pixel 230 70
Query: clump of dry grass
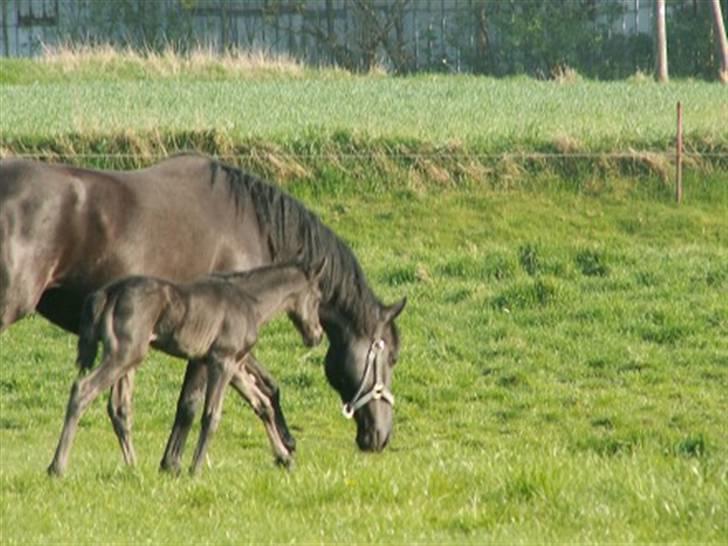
pixel 640 77
pixel 654 162
pixel 564 74
pixel 170 63
pixel 567 144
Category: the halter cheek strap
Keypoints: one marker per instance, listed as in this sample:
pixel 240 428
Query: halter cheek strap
pixel 378 391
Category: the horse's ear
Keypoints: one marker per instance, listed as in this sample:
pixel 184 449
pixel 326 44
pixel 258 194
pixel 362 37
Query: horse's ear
pixel 391 312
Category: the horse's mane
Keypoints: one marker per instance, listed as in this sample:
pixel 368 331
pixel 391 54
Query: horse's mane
pixel 293 232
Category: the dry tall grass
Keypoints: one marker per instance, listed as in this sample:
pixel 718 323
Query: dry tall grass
pixel 170 63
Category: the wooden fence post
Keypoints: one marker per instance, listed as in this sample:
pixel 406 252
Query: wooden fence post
pixel 678 155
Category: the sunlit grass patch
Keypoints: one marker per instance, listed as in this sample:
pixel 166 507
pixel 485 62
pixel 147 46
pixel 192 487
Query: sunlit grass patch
pixel 74 63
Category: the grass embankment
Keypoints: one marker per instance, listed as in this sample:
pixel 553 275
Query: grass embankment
pixel 291 123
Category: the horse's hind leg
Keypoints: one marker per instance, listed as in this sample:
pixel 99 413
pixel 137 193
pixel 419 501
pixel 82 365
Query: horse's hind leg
pixel 246 385
pixel 269 388
pixel 192 391
pixel 120 412
pixel 218 378
pixel 84 391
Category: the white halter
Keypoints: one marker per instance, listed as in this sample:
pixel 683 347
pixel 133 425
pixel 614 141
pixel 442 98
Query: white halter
pixel 378 391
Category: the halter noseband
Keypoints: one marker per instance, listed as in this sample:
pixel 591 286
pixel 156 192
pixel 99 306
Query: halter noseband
pixel 378 391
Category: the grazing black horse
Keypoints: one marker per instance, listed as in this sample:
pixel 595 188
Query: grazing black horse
pixel 66 231
pixel 214 320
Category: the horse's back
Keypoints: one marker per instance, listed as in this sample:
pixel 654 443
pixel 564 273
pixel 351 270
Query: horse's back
pixel 187 165
pixel 181 170
pixel 66 230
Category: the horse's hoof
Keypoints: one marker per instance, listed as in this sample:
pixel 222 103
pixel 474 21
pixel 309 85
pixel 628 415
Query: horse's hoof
pixel 170 471
pixel 169 467
pixel 54 471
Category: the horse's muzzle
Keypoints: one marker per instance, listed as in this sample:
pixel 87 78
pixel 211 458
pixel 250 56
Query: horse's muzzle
pixel 372 441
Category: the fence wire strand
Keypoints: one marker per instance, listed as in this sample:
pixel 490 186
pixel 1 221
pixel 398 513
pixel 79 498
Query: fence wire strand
pixel 636 154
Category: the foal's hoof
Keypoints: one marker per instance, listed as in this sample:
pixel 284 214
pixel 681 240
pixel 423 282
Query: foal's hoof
pixel 289 441
pixel 284 462
pixel 54 471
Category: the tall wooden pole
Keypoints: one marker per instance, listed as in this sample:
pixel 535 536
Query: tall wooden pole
pixel 678 155
pixel 6 41
pixel 721 41
pixel 661 45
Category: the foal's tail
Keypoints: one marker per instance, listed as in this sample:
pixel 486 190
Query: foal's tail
pixel 89 332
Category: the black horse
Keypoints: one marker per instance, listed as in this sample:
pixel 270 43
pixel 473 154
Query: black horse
pixel 66 231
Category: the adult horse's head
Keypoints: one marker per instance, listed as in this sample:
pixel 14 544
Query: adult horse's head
pixel 363 339
pixel 360 368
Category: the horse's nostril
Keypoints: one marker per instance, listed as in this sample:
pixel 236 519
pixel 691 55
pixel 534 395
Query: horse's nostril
pixel 380 441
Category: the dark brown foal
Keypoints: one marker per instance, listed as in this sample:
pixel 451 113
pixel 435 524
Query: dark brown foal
pixel 214 321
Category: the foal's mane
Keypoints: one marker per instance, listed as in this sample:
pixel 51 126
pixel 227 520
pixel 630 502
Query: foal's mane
pixel 294 232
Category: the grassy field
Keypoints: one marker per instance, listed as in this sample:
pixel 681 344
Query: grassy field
pixel 563 378
pixel 438 109
pixel 483 113
pixel 565 344
pixel 295 123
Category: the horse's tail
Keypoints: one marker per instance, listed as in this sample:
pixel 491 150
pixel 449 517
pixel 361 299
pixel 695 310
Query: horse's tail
pixel 89 331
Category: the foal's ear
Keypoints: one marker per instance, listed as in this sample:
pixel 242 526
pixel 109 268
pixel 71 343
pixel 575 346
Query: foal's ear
pixel 391 312
pixel 318 270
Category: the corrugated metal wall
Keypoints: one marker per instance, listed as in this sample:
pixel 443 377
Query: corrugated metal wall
pixel 291 27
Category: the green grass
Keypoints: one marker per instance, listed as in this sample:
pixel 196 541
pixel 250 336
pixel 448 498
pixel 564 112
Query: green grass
pixel 563 378
pixel 392 132
pixel 565 344
pixel 290 122
pixel 492 114
pixel 293 121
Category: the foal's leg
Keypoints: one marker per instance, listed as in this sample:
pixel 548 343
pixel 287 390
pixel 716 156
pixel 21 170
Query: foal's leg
pixel 192 391
pixel 269 388
pixel 245 384
pixel 193 388
pixel 120 413
pixel 219 374
pixel 83 392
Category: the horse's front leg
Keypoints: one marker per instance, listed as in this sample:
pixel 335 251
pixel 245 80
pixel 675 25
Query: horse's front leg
pixel 120 412
pixel 193 388
pixel 268 386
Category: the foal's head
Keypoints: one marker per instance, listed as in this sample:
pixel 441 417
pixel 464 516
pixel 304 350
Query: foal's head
pixel 304 312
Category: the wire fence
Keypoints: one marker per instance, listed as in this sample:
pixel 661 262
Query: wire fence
pixel 635 154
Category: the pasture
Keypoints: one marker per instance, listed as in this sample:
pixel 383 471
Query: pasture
pixel 565 343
